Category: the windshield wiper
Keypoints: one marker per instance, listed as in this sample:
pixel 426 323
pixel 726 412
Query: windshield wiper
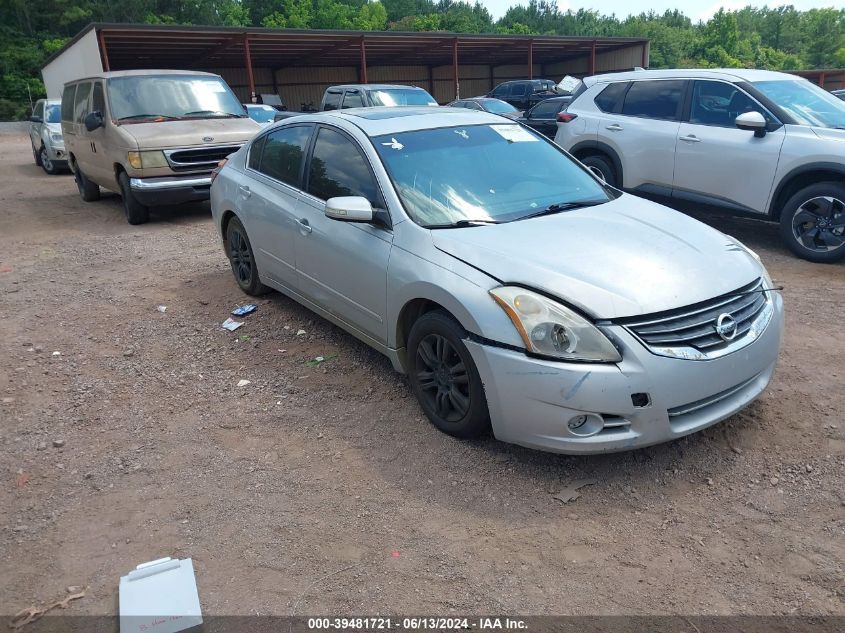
pixel 459 224
pixel 148 116
pixel 559 207
pixel 217 113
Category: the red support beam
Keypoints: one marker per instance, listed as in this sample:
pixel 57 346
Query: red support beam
pixel 104 55
pixel 593 58
pixel 531 59
pixel 364 61
pixel 821 79
pixel 248 61
pixel 455 68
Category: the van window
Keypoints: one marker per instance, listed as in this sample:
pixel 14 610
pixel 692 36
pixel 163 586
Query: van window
pixel 654 99
pixel 283 153
pixel 338 169
pixel 67 102
pixel 80 103
pixel 98 99
pixel 332 101
pixel 608 99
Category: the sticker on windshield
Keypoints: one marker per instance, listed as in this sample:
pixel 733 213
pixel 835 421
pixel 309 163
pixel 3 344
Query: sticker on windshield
pixel 394 144
pixel 463 134
pixel 211 86
pixel 514 133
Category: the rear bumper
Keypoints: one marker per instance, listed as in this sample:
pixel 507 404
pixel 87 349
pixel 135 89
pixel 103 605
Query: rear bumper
pixel 154 192
pixel 531 401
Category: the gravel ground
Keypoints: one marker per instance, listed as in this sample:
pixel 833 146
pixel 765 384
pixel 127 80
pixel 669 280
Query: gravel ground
pixel 125 438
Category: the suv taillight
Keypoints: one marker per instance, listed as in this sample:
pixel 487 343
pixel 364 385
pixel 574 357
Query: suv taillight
pixel 217 169
pixel 565 117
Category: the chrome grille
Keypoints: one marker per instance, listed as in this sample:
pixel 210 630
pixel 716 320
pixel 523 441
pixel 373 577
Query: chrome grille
pixel 196 158
pixel 695 326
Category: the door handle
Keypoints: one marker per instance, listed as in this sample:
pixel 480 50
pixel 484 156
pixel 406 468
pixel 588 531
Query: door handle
pixel 615 127
pixel 691 138
pixel 304 226
pixel 245 192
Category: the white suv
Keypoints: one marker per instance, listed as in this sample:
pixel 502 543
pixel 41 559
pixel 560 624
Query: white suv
pixel 747 141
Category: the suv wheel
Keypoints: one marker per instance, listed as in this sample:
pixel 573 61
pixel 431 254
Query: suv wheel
pixel 47 164
pixel 602 168
pixel 136 213
pixel 444 378
pixel 88 190
pixel 242 259
pixel 812 222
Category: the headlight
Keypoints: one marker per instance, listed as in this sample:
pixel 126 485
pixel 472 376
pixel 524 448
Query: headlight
pixel 57 138
pixel 147 160
pixel 551 329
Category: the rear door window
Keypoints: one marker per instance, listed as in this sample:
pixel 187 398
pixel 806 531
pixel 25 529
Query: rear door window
pixel 255 149
pixel 283 153
pixel 654 99
pixel 67 102
pixel 609 99
pixel 80 103
pixel 546 110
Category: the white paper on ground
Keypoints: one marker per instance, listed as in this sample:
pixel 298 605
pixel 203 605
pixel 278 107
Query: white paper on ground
pixel 159 597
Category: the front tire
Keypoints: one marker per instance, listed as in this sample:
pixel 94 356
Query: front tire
pixel 136 213
pixel 602 168
pixel 242 260
pixel 812 222
pixel 444 378
pixel 46 162
pixel 88 191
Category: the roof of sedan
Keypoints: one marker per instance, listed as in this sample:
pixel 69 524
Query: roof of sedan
pixel 731 74
pixel 379 121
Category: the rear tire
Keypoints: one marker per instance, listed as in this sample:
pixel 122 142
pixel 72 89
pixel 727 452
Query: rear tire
pixel 812 222
pixel 242 260
pixel 136 213
pixel 444 378
pixel 88 191
pixel 602 168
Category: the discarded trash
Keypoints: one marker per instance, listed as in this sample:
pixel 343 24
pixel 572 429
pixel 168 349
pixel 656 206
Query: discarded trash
pixel 395 554
pixel 232 325
pixel 243 383
pixel 319 360
pixel 300 332
pixel 244 309
pixel 22 479
pixel 57 353
pixel 31 614
pixel 570 491
pixel 160 596
pixel 162 309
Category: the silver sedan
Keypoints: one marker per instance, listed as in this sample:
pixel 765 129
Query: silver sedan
pixel 515 289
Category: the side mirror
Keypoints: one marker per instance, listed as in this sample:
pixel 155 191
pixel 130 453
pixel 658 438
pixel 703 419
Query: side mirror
pixel 349 209
pixel 93 120
pixel 36 119
pixel 752 122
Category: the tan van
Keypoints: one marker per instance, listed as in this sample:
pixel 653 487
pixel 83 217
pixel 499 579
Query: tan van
pixel 153 136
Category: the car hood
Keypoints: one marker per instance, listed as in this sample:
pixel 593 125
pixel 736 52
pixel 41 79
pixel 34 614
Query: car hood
pixel 191 132
pixel 625 258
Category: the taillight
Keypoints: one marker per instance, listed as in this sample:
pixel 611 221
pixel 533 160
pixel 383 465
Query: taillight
pixel 565 117
pixel 217 169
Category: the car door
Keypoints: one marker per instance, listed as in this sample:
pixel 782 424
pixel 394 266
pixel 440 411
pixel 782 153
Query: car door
pixel 270 197
pixel 342 266
pixel 543 117
pixel 519 95
pixel 99 170
pixel 643 133
pixel 82 147
pixel 717 160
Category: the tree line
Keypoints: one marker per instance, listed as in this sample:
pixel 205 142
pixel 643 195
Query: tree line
pixel 779 38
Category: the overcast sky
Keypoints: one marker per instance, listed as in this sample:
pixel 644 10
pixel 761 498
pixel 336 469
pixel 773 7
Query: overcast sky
pixel 701 10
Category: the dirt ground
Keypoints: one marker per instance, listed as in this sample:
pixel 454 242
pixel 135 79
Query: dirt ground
pixel 322 490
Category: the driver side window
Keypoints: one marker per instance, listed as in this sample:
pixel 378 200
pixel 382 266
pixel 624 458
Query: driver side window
pixel 719 104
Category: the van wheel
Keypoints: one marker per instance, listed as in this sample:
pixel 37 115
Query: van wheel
pixel 136 213
pixel 88 191
pixel 444 378
pixel 46 164
pixel 242 260
pixel 812 222
pixel 602 168
pixel 36 155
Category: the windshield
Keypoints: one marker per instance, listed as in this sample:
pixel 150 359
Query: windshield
pixel 53 114
pixel 805 102
pixel 484 173
pixel 261 115
pixel 401 97
pixel 494 105
pixel 172 97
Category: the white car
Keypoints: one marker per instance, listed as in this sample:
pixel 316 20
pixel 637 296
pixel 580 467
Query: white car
pixel 748 141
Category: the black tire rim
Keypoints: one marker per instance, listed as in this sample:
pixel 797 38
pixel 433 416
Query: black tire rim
pixel 819 224
pixel 45 160
pixel 240 257
pixel 442 378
